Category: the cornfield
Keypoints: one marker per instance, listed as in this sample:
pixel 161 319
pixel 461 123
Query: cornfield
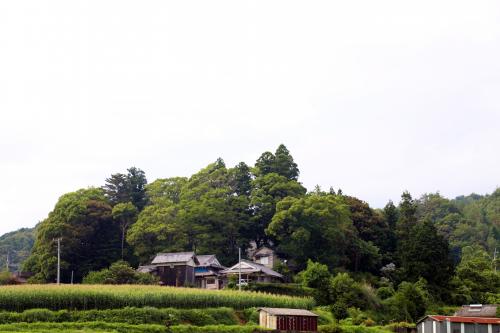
pixel 85 297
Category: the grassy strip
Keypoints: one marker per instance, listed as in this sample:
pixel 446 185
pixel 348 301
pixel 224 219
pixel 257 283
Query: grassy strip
pixel 84 297
pixel 335 328
pixel 124 328
pixel 147 315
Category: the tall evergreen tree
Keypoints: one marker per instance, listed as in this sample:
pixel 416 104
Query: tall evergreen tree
pixel 241 179
pixel 407 216
pixel 284 164
pixel 121 188
pixel 116 188
pixel 426 254
pixel 391 217
pixel 265 164
pixel 281 162
pixel 136 183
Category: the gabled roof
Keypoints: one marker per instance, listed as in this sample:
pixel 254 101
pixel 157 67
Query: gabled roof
pixel 477 310
pixel 461 319
pixel 177 257
pixel 209 260
pixel 288 312
pixel 263 251
pixel 146 269
pixel 251 267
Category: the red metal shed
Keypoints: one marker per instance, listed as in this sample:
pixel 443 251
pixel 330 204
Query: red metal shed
pixel 288 319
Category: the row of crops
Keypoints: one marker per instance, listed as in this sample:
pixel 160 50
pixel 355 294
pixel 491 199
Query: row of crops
pixel 134 309
pixel 84 297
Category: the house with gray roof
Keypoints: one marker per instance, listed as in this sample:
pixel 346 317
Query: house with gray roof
pixel 173 269
pixel 208 272
pixel 253 272
pixel 182 269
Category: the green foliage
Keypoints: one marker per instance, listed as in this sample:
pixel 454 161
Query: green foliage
pixel 220 209
pixel 330 328
pixel 346 293
pixel 385 292
pixel 166 189
pixel 85 297
pixel 409 303
pixel 289 289
pixel 317 277
pixel 363 329
pixel 90 239
pixel 372 227
pixel 407 216
pixel 6 278
pixel 314 227
pixel 120 188
pixel 475 276
pixel 17 246
pixel 339 310
pixel 104 327
pixel 128 315
pixel 125 213
pixel 280 163
pixel 204 213
pixel 267 190
pixel 119 273
pixel 425 254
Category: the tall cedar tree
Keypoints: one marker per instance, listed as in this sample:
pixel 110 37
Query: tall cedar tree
pixel 391 218
pixel 426 254
pixel 120 188
pixel 407 216
pixel 281 162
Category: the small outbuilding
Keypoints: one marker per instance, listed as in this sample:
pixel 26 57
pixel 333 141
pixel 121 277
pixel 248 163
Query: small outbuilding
pixel 295 320
pixel 458 324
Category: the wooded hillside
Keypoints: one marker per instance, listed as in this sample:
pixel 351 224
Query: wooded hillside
pixel 449 243
pixel 16 245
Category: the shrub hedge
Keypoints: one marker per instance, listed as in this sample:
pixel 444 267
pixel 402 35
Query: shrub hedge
pixel 147 315
pixel 125 328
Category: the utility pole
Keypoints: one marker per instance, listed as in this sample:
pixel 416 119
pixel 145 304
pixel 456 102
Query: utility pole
pixel 59 261
pixel 7 262
pixel 239 270
pixel 72 275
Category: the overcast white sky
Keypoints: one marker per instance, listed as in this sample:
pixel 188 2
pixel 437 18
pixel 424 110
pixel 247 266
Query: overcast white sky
pixel 374 97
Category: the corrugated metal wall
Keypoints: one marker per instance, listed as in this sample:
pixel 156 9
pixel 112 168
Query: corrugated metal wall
pixel 297 323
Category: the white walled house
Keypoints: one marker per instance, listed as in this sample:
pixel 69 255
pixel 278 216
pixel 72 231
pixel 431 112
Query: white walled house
pixel 458 324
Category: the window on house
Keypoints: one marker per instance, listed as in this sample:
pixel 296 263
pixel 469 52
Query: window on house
pixel 210 281
pixel 264 260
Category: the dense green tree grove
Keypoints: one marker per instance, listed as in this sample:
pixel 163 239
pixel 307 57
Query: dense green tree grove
pixel 431 244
